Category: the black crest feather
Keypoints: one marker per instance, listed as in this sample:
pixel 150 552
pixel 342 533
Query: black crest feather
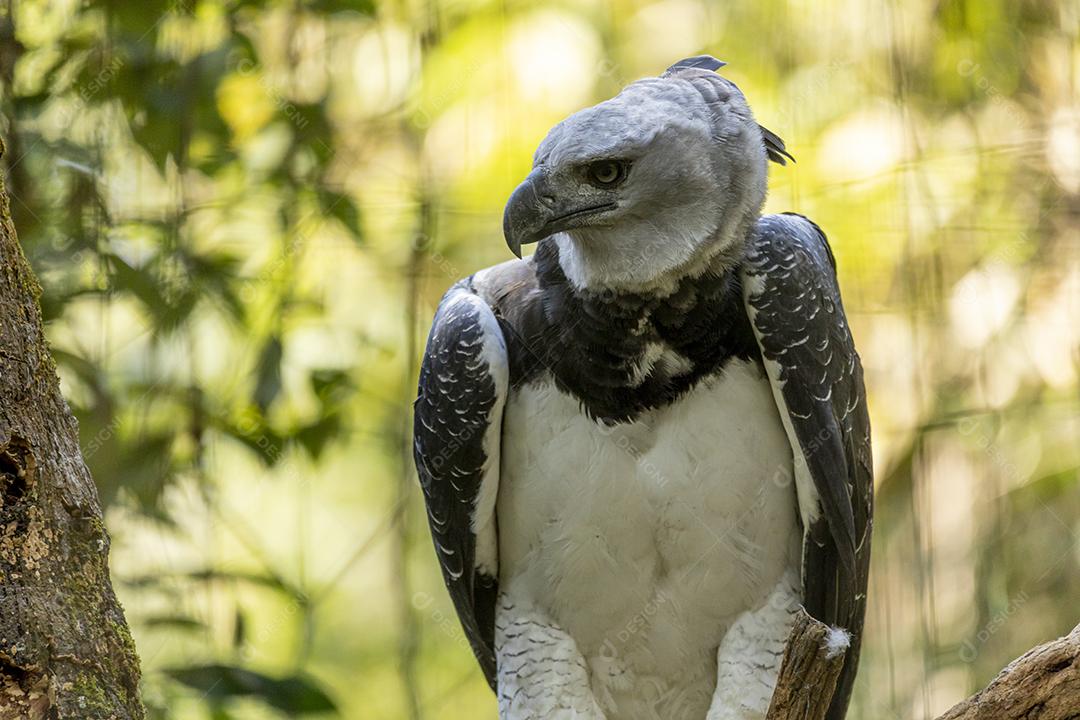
pixel 774 146
pixel 700 62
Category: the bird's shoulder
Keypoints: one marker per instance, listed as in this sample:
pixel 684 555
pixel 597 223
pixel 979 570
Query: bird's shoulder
pixel 487 303
pixel 785 238
pixel 500 286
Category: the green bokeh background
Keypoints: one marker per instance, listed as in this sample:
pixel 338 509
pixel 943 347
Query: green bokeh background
pixel 244 213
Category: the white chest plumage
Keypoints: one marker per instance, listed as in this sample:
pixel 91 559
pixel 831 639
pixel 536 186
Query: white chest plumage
pixel 645 540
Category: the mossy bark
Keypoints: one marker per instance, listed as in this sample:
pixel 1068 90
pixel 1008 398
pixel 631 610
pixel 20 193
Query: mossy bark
pixel 65 648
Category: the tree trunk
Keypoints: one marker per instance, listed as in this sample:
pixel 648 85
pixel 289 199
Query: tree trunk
pixel 1043 684
pixel 65 648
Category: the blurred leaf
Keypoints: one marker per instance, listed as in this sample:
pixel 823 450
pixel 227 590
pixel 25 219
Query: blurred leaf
pixel 157 92
pixel 326 382
pixel 268 374
pixel 85 369
pixel 294 694
pixel 312 129
pixel 1048 488
pixel 145 468
pixel 316 436
pixel 341 207
pixel 215 574
pixel 139 283
pixel 138 16
pixel 216 273
pixel 239 629
pixel 172 622
pixel 257 435
pixel 367 7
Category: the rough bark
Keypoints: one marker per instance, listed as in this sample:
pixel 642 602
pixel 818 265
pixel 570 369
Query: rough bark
pixel 1043 684
pixel 65 648
pixel 808 674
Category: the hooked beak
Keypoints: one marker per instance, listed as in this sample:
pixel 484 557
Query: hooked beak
pixel 534 212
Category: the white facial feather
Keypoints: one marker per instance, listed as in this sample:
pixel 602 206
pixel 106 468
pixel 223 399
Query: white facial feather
pixel 695 187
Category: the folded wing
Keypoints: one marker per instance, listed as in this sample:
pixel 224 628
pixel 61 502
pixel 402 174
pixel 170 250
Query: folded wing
pixel 456 439
pixel 792 299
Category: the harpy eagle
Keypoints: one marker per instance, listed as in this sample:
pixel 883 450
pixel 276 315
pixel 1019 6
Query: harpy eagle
pixel 644 446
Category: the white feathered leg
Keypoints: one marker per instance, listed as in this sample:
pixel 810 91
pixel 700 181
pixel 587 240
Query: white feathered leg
pixel 541 673
pixel 750 654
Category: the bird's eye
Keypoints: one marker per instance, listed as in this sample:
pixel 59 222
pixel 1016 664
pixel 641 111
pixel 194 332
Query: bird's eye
pixel 606 173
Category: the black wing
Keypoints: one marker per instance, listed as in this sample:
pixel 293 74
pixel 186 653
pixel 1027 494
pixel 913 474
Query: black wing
pixel 793 300
pixel 456 439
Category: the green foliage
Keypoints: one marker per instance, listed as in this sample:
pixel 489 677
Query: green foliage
pixel 146 86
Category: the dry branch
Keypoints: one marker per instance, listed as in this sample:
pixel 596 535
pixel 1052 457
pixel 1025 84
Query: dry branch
pixel 808 674
pixel 1043 684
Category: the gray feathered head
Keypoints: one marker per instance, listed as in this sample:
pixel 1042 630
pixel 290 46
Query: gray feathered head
pixel 656 183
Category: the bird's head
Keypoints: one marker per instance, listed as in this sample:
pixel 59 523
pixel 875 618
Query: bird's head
pixel 650 185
